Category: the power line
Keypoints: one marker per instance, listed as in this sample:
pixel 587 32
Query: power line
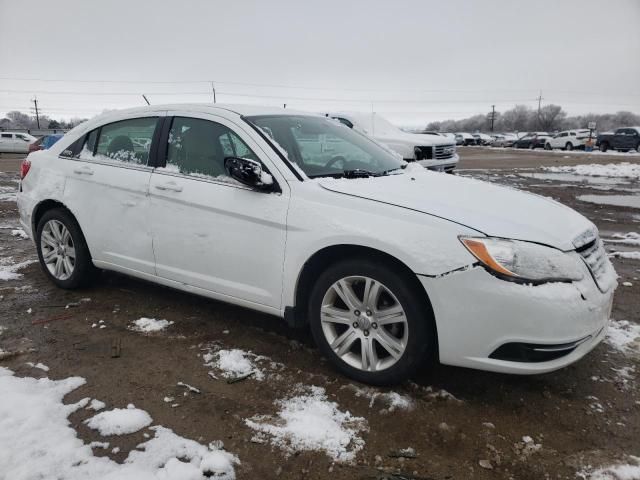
pixel 303 87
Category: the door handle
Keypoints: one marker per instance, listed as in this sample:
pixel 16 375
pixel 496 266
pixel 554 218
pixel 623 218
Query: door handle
pixel 83 171
pixel 169 186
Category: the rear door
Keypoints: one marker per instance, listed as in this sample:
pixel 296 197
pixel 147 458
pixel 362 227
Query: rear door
pixel 210 231
pixel 107 186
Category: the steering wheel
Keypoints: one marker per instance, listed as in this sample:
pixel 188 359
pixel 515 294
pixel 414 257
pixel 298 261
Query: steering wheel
pixel 336 159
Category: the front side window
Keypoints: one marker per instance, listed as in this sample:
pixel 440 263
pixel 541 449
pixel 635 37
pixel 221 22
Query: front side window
pixel 198 148
pixel 324 147
pixel 127 141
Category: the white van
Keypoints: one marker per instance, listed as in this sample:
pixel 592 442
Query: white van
pixel 15 142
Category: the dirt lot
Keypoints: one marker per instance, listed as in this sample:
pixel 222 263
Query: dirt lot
pixel 587 414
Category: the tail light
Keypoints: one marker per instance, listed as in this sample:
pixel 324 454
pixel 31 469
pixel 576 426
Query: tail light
pixel 24 168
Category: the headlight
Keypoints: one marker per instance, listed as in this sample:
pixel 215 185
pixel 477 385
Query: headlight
pixel 525 262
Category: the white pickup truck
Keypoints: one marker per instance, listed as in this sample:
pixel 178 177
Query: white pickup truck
pixel 431 151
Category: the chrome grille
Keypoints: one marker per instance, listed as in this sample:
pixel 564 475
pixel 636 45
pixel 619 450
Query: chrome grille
pixel 596 259
pixel 445 151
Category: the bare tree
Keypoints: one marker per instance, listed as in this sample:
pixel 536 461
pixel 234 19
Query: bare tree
pixel 551 117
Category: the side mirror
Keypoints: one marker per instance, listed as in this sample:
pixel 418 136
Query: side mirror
pixel 248 172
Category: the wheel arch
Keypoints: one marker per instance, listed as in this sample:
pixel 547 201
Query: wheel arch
pixel 296 315
pixel 43 207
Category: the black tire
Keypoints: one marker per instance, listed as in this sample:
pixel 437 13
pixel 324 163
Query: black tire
pixel 547 146
pixel 568 147
pixel 422 337
pixel 604 147
pixel 84 270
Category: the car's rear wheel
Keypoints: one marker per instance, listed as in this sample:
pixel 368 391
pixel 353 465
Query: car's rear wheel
pixel 547 146
pixel 62 250
pixel 569 146
pixel 370 321
pixel 604 147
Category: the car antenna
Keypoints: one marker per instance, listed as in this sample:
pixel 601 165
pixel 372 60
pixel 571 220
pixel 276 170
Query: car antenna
pixel 146 99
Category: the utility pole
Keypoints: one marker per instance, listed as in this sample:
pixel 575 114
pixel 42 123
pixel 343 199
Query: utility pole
pixel 35 104
pixel 493 116
pixel 213 88
pixel 539 106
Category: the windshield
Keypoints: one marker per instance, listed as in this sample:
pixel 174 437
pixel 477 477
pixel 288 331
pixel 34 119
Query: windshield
pixel 324 147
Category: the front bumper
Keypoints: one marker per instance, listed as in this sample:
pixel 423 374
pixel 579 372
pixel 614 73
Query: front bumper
pixel 477 313
pixel 446 165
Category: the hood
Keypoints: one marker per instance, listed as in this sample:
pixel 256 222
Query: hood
pixel 415 139
pixel 490 209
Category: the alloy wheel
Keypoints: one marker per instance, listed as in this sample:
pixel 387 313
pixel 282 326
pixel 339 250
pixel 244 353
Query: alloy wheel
pixel 364 323
pixel 58 251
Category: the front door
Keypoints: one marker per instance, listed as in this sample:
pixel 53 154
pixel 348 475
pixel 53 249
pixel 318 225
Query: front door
pixel 209 231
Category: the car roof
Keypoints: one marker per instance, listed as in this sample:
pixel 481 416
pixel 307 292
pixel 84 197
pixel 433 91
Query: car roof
pixel 212 108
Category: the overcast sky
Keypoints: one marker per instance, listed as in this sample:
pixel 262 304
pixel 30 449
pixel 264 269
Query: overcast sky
pixel 413 61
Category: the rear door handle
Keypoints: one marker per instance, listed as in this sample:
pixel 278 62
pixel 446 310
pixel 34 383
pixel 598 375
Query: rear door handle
pixel 83 171
pixel 169 186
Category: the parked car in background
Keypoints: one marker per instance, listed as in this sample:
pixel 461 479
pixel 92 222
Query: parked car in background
pixel 45 142
pixel 434 152
pixel 504 140
pixel 386 263
pixel 450 136
pixel 623 140
pixel 15 142
pixel 532 140
pixel 482 138
pixel 568 140
pixel 466 138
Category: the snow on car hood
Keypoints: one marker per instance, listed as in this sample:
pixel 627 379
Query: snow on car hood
pixel 491 209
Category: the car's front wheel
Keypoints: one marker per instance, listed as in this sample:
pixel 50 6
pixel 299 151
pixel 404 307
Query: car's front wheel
pixel 547 146
pixel 62 249
pixel 370 321
pixel 569 146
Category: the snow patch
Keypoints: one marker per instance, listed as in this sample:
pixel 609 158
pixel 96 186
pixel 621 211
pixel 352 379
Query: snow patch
pixel 39 365
pixel 391 400
pixel 628 255
pixel 96 405
pixel 630 470
pixel 630 238
pixel 624 336
pixel 234 363
pixel 619 170
pixel 18 232
pixel 119 421
pixel 9 271
pixel 37 441
pixel 310 422
pixel 149 325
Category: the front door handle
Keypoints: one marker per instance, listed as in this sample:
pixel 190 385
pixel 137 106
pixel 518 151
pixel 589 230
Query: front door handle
pixel 83 171
pixel 169 186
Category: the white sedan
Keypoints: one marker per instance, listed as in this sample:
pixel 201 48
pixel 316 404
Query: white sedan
pixel 295 215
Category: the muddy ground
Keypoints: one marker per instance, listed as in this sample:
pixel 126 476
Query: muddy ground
pixel 450 436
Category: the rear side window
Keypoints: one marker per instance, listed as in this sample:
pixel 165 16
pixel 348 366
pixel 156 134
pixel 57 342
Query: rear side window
pixel 127 141
pixel 198 148
pixel 6 135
